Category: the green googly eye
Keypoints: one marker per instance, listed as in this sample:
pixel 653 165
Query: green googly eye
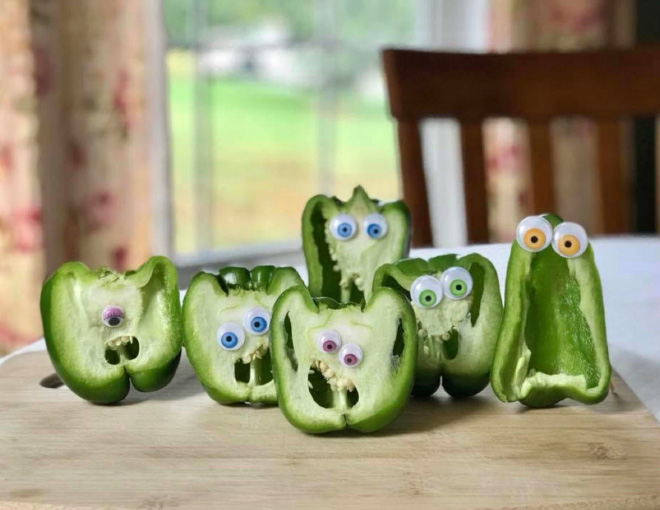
pixel 458 288
pixel 456 283
pixel 426 291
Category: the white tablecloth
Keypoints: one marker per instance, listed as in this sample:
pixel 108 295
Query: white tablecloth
pixel 630 272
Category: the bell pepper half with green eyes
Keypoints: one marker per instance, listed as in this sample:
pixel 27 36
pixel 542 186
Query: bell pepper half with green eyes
pixel 552 342
pixel 226 322
pixel 458 307
pixel 105 329
pixel 346 242
pixel 343 365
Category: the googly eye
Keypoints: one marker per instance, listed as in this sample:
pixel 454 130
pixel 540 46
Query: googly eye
pixel 534 233
pixel 375 225
pixel 426 291
pixel 343 227
pixel 257 321
pixel 231 336
pixel 328 341
pixel 350 355
pixel 570 240
pixel 112 316
pixel 456 283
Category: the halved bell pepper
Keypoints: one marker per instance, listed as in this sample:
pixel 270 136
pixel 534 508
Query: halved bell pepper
pixel 458 307
pixel 552 342
pixel 345 242
pixel 105 329
pixel 343 365
pixel 226 322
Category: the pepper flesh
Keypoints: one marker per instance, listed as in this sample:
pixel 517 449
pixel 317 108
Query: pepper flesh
pixel 99 362
pixel 552 344
pixel 456 337
pixel 343 269
pixel 244 374
pixel 317 393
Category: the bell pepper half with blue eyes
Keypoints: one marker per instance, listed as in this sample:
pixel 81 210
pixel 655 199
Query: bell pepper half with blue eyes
pixel 458 307
pixel 552 342
pixel 346 242
pixel 343 365
pixel 227 331
pixel 105 329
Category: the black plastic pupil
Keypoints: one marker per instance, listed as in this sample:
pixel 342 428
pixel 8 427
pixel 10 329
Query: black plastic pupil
pixel 568 244
pixel 114 321
pixel 535 239
pixel 428 298
pixel 459 287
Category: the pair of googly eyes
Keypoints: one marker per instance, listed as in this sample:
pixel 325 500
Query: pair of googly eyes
pixel 344 226
pixel 112 316
pixel 328 342
pixel 231 335
pixel 427 291
pixel 535 233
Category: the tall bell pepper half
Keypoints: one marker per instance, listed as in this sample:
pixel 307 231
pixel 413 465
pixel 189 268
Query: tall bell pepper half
pixel 343 365
pixel 346 242
pixel 227 331
pixel 458 307
pixel 552 342
pixel 105 329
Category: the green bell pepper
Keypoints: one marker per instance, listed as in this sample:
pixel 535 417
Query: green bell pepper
pixel 345 242
pixel 343 365
pixel 458 307
pixel 552 342
pixel 226 320
pixel 104 329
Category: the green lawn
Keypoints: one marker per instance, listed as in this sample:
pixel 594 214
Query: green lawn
pixel 262 151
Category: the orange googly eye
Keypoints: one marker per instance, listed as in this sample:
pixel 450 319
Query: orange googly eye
pixel 534 233
pixel 569 240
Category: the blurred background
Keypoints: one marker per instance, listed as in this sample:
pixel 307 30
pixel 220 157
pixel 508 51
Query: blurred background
pixel 199 128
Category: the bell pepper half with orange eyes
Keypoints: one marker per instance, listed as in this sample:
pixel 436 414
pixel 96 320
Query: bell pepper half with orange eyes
pixel 344 365
pixel 226 321
pixel 346 242
pixel 552 342
pixel 105 330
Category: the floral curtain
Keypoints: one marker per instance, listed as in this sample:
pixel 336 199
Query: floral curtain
pixel 74 165
pixel 565 25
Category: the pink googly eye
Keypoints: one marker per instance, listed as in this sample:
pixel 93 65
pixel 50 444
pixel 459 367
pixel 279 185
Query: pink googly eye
pixel 328 341
pixel 350 355
pixel 112 316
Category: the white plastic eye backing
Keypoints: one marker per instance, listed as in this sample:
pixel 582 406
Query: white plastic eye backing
pixel 375 225
pixel 328 341
pixel 426 291
pixel 456 283
pixel 534 233
pixel 231 336
pixel 350 355
pixel 343 227
pixel 257 320
pixel 570 240
pixel 112 316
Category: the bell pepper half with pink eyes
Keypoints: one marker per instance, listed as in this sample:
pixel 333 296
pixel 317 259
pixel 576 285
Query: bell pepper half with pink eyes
pixel 552 342
pixel 226 322
pixel 346 242
pixel 105 330
pixel 343 365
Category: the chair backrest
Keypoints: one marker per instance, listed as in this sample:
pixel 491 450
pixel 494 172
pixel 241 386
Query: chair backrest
pixel 536 87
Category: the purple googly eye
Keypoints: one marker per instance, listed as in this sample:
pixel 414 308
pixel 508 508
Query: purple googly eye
pixel 112 316
pixel 328 341
pixel 350 355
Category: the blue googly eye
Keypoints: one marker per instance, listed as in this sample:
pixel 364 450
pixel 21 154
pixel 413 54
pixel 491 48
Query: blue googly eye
pixel 343 227
pixel 257 320
pixel 375 225
pixel 231 336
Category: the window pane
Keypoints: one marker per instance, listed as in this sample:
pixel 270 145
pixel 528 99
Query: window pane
pixel 374 22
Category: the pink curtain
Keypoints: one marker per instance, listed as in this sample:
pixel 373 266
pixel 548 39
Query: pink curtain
pixel 565 25
pixel 74 166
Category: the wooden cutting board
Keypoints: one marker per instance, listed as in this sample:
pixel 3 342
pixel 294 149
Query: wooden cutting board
pixel 179 449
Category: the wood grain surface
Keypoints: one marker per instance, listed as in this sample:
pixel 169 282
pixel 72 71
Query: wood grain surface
pixel 178 449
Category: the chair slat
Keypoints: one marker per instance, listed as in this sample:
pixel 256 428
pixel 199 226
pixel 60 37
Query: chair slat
pixel 541 164
pixel 474 181
pixel 611 177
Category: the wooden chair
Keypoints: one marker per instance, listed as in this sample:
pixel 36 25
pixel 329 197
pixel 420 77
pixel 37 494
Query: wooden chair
pixel 536 87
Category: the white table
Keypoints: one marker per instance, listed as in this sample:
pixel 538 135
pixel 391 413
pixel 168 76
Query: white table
pixel 630 273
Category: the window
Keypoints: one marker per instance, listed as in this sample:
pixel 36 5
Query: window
pixel 270 103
